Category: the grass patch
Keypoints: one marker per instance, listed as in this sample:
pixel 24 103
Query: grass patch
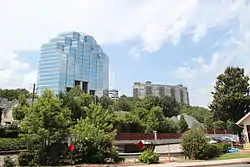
pixel 232 156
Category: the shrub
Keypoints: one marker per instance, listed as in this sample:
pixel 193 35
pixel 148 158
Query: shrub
pixel 149 157
pixel 2 131
pixel 8 162
pixel 91 150
pixel 93 144
pixel 8 144
pixel 11 131
pixel 24 158
pixel 224 147
pixel 194 144
pixel 212 151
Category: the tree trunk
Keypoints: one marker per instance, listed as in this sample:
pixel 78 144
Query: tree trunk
pixel 240 137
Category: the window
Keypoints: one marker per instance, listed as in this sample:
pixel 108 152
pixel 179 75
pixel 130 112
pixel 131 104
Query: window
pixel 85 39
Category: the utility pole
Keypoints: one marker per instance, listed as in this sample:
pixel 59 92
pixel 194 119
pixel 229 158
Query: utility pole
pixel 33 94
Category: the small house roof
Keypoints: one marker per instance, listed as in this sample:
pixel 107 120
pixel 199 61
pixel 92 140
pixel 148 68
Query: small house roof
pixel 190 120
pixel 241 121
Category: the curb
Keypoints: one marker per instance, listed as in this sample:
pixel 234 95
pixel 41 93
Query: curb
pixel 161 154
pixel 219 164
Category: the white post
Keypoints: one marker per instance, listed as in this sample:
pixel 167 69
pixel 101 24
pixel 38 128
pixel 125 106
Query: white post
pixel 155 134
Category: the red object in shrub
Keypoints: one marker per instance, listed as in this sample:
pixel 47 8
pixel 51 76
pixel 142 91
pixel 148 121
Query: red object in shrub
pixel 71 147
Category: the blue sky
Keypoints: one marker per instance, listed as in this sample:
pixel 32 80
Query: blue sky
pixel 164 41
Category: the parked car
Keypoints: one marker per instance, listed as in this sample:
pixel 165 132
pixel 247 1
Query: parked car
pixel 226 139
pixel 211 141
pixel 217 139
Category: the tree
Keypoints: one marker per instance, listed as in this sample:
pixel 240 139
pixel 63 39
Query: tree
pixel 47 124
pixel 124 104
pixel 105 102
pixel 94 145
pixel 154 120
pixel 102 119
pixel 94 135
pixel 148 102
pixel 141 113
pixel 230 97
pixel 170 106
pixel 128 123
pixel 22 109
pixel 12 94
pixel 183 124
pixel 219 125
pixel 77 102
pixel 201 114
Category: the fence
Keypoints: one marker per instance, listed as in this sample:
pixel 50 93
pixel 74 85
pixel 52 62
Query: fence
pixel 160 136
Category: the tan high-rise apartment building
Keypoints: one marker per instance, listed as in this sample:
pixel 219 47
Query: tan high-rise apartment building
pixel 177 92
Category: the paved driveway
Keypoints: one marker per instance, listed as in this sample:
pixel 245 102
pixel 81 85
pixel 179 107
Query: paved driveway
pixel 174 148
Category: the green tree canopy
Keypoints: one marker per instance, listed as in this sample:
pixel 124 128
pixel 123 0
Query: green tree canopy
pixel 94 144
pixel 77 102
pixel 48 123
pixel 183 124
pixel 170 106
pixel 230 96
pixel 199 113
pixel 93 136
pixel 12 94
pixel 105 102
pixel 22 109
pixel 124 104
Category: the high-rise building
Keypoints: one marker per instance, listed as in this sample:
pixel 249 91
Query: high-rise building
pixel 73 59
pixel 177 92
pixel 114 94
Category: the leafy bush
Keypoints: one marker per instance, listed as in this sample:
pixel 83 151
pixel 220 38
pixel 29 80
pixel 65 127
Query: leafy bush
pixel 7 144
pixel 24 158
pixel 12 131
pixel 93 144
pixel 194 144
pixel 8 162
pixel 212 151
pixel 149 157
pixel 2 131
pixel 223 147
pixel 91 150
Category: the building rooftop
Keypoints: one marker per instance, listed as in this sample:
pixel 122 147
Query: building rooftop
pixel 151 83
pixel 191 121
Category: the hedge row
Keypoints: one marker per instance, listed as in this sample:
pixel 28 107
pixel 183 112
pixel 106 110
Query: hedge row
pixel 12 144
pixel 11 131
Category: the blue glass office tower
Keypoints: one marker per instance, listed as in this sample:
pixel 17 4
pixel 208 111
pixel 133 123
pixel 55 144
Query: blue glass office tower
pixel 73 59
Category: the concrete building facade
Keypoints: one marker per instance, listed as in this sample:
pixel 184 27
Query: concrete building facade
pixel 144 89
pixel 114 94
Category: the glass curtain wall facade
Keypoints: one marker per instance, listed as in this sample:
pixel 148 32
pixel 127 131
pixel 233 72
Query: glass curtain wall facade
pixel 73 59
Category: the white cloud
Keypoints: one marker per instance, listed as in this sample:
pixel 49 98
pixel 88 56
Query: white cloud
pixel 27 24
pixel 234 51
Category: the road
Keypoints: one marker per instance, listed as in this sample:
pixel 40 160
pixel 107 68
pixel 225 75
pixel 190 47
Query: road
pixel 240 165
